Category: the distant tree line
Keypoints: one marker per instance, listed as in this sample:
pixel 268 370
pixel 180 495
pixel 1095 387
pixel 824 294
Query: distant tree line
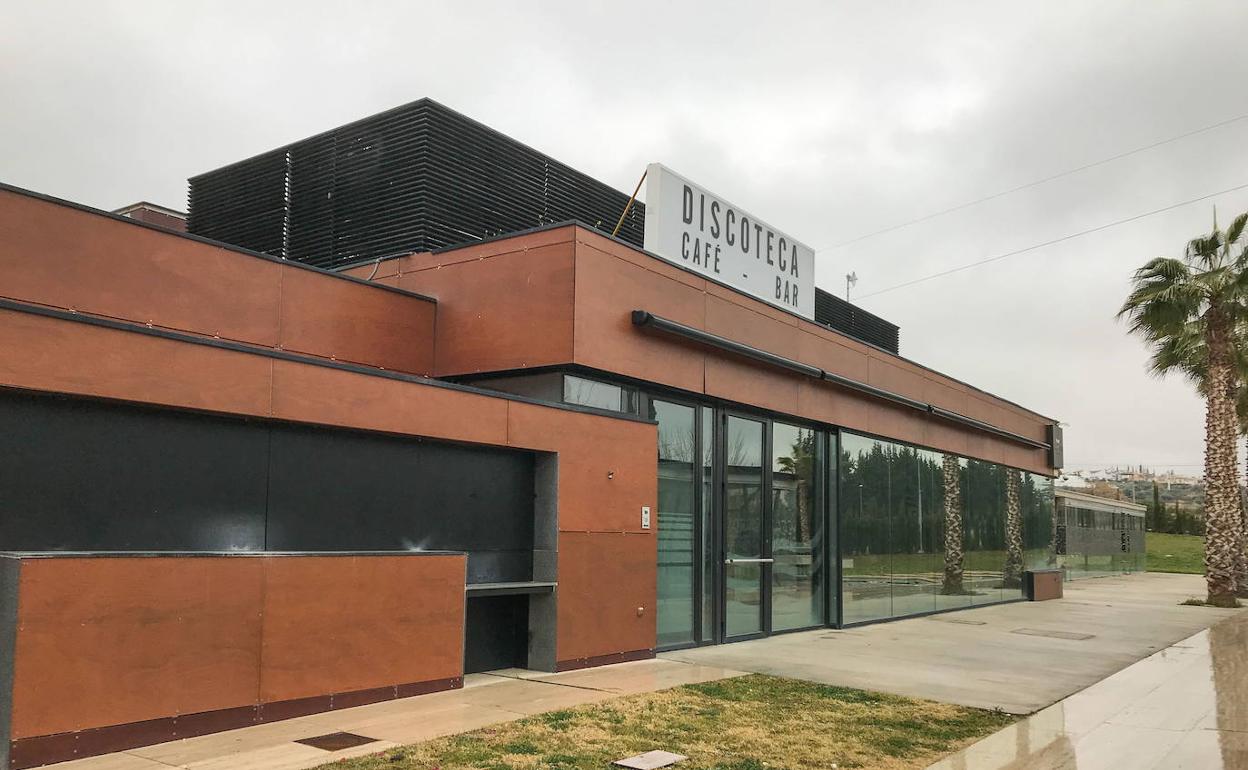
pixel 1174 518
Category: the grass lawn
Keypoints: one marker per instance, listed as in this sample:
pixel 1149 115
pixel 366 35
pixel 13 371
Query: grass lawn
pixel 1175 553
pixel 748 723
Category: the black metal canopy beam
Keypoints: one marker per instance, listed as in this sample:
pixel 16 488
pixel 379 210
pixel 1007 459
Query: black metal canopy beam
pixel 647 320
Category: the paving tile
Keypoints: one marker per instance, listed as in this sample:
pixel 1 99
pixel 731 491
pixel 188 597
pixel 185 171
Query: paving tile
pixel 283 756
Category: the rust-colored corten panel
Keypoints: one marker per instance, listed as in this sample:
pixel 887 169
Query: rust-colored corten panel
pixel 850 361
pixel 607 291
pixel 606 269
pixel 607 468
pixel 65 257
pixel 834 405
pixel 63 356
pixel 113 640
pixel 737 379
pixel 606 594
pixel 888 375
pixel 752 327
pixel 305 393
pixel 765 309
pixel 348 321
pixel 343 623
pixel 510 311
pixel 946 395
pixel 61 256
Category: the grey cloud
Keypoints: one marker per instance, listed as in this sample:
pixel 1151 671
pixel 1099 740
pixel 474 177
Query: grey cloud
pixel 830 119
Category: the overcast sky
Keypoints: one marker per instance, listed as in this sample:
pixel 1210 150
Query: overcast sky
pixel 830 120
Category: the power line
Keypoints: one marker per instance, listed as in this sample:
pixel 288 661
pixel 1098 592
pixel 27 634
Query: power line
pixel 1046 179
pixel 1063 238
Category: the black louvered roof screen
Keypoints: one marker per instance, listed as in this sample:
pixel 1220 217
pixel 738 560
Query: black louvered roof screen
pixel 415 178
pixel 831 310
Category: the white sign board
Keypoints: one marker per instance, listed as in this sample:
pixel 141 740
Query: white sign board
pixel 696 229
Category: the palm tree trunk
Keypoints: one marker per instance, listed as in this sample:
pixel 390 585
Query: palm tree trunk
pixel 1012 575
pixel 951 478
pixel 1222 514
pixel 1242 554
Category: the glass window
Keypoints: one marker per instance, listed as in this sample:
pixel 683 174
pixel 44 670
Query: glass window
pixel 913 529
pixel 985 531
pixel 743 527
pixel 953 589
pixel 1039 522
pixel 925 531
pixel 600 395
pixel 796 529
pixel 866 559
pixel 676 530
pixel 710 554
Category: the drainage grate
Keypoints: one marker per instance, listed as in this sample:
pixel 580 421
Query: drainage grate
pixel 336 741
pixel 1053 634
pixel 961 621
pixel 651 760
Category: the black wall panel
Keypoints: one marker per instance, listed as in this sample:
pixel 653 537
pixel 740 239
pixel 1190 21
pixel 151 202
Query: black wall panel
pixel 94 476
pixel 347 491
pixel 82 475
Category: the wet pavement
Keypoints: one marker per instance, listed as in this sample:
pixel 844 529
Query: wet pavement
pixel 1018 657
pixel 1183 708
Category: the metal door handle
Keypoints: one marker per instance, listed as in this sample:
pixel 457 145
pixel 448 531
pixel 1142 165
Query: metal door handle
pixel 749 561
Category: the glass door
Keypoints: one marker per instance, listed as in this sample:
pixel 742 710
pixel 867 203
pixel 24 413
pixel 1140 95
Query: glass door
pixel 677 523
pixel 797 528
pixel 746 563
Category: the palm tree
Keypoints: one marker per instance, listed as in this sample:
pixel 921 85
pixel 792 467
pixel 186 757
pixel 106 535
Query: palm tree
pixel 1187 353
pixel 1241 413
pixel 1201 299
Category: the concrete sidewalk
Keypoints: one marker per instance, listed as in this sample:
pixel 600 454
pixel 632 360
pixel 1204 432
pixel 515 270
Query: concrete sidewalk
pixel 1018 657
pixel 1184 708
pixel 486 699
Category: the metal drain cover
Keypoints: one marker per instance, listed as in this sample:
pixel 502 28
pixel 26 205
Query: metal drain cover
pixel 1053 634
pixel 961 621
pixel 336 741
pixel 650 760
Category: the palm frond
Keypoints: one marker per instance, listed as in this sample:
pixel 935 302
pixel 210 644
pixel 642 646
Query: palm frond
pixel 1236 230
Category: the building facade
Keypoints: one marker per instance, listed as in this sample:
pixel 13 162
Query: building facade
pixel 547 449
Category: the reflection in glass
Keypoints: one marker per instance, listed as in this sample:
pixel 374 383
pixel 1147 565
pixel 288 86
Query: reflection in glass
pixel 1096 538
pixel 953 592
pixel 984 534
pixel 743 526
pixel 1039 521
pixel 916 557
pixel 796 534
pixel 924 531
pixel 709 553
pixel 676 554
pixel 866 559
pixel 601 395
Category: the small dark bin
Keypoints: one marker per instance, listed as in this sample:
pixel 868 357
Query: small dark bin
pixel 1042 584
